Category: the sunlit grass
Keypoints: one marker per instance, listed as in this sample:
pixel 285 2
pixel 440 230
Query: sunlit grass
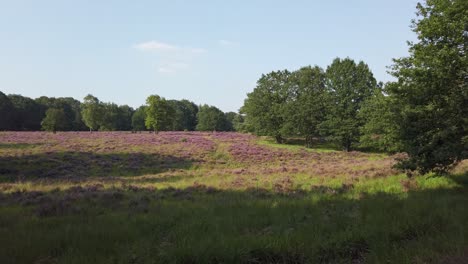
pixel 201 200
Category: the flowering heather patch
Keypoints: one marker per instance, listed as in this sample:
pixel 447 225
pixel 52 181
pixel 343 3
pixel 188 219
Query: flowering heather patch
pixel 25 155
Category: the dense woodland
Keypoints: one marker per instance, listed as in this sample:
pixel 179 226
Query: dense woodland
pixel 20 113
pixel 423 113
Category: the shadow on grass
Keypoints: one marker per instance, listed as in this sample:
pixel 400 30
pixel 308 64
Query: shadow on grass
pixel 85 164
pixel 200 224
pixel 19 145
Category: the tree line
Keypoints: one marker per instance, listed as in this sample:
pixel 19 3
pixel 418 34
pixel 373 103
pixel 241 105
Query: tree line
pixel 19 113
pixel 423 113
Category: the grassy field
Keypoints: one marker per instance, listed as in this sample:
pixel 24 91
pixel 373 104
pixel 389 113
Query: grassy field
pixel 191 197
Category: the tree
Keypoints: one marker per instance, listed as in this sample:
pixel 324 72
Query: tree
pixel 431 92
pixel 238 123
pixel 138 119
pixel 210 118
pixel 348 85
pixel 27 115
pixel 92 112
pixel 54 120
pixel 7 111
pixel 185 117
pixel 264 107
pixel 71 108
pixel 159 113
pixel 110 117
pixel 124 118
pixel 306 109
pixel 380 130
pixel 230 117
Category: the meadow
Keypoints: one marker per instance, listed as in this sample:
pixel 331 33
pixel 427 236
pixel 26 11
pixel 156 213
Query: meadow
pixel 219 197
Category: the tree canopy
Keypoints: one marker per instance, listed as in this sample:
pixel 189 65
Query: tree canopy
pixel 431 92
pixel 159 113
pixel 210 118
pixel 54 120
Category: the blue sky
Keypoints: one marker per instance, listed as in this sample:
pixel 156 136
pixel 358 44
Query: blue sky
pixel 206 51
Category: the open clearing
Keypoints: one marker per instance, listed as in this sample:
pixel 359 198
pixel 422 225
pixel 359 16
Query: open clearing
pixel 194 197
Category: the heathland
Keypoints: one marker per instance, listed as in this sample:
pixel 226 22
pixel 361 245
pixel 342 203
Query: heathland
pixel 219 197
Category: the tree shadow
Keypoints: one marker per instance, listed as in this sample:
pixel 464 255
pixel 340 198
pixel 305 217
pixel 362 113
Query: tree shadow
pixel 75 165
pixel 201 224
pixel 19 145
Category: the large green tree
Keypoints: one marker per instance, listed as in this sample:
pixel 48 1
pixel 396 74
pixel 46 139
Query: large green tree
pixel 159 114
pixel 348 85
pixel 306 109
pixel 92 112
pixel 265 106
pixel 71 108
pixel 210 118
pixel 380 128
pixel 28 113
pixel 124 118
pixel 431 92
pixel 138 119
pixel 110 117
pixel 185 117
pixel 54 120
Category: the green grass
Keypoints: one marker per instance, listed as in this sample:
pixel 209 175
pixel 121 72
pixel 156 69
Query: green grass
pixel 375 221
pixel 212 212
pixel 299 145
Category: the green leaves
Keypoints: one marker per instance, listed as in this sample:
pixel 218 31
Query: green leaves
pixel 92 112
pixel 431 93
pixel 310 102
pixel 158 113
pixel 54 120
pixel 211 118
pixel 348 85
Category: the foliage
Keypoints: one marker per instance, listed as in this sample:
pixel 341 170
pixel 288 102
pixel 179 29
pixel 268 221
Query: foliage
pixel 54 120
pixel 379 131
pixel 92 112
pixel 27 115
pixel 210 118
pixel 159 113
pixel 7 111
pixel 238 123
pixel 348 85
pixel 185 117
pixel 264 107
pixel 71 108
pixel 138 119
pixel 306 110
pixel 431 92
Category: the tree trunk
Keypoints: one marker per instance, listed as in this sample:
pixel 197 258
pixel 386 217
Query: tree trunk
pixel 308 141
pixel 347 145
pixel 279 139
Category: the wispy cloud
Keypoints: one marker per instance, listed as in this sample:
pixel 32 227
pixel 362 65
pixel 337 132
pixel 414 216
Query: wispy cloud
pixel 155 46
pixel 224 42
pixel 172 58
pixel 161 47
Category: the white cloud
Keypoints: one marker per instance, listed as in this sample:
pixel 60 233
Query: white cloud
pixel 155 46
pixel 172 58
pixel 161 47
pixel 224 42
